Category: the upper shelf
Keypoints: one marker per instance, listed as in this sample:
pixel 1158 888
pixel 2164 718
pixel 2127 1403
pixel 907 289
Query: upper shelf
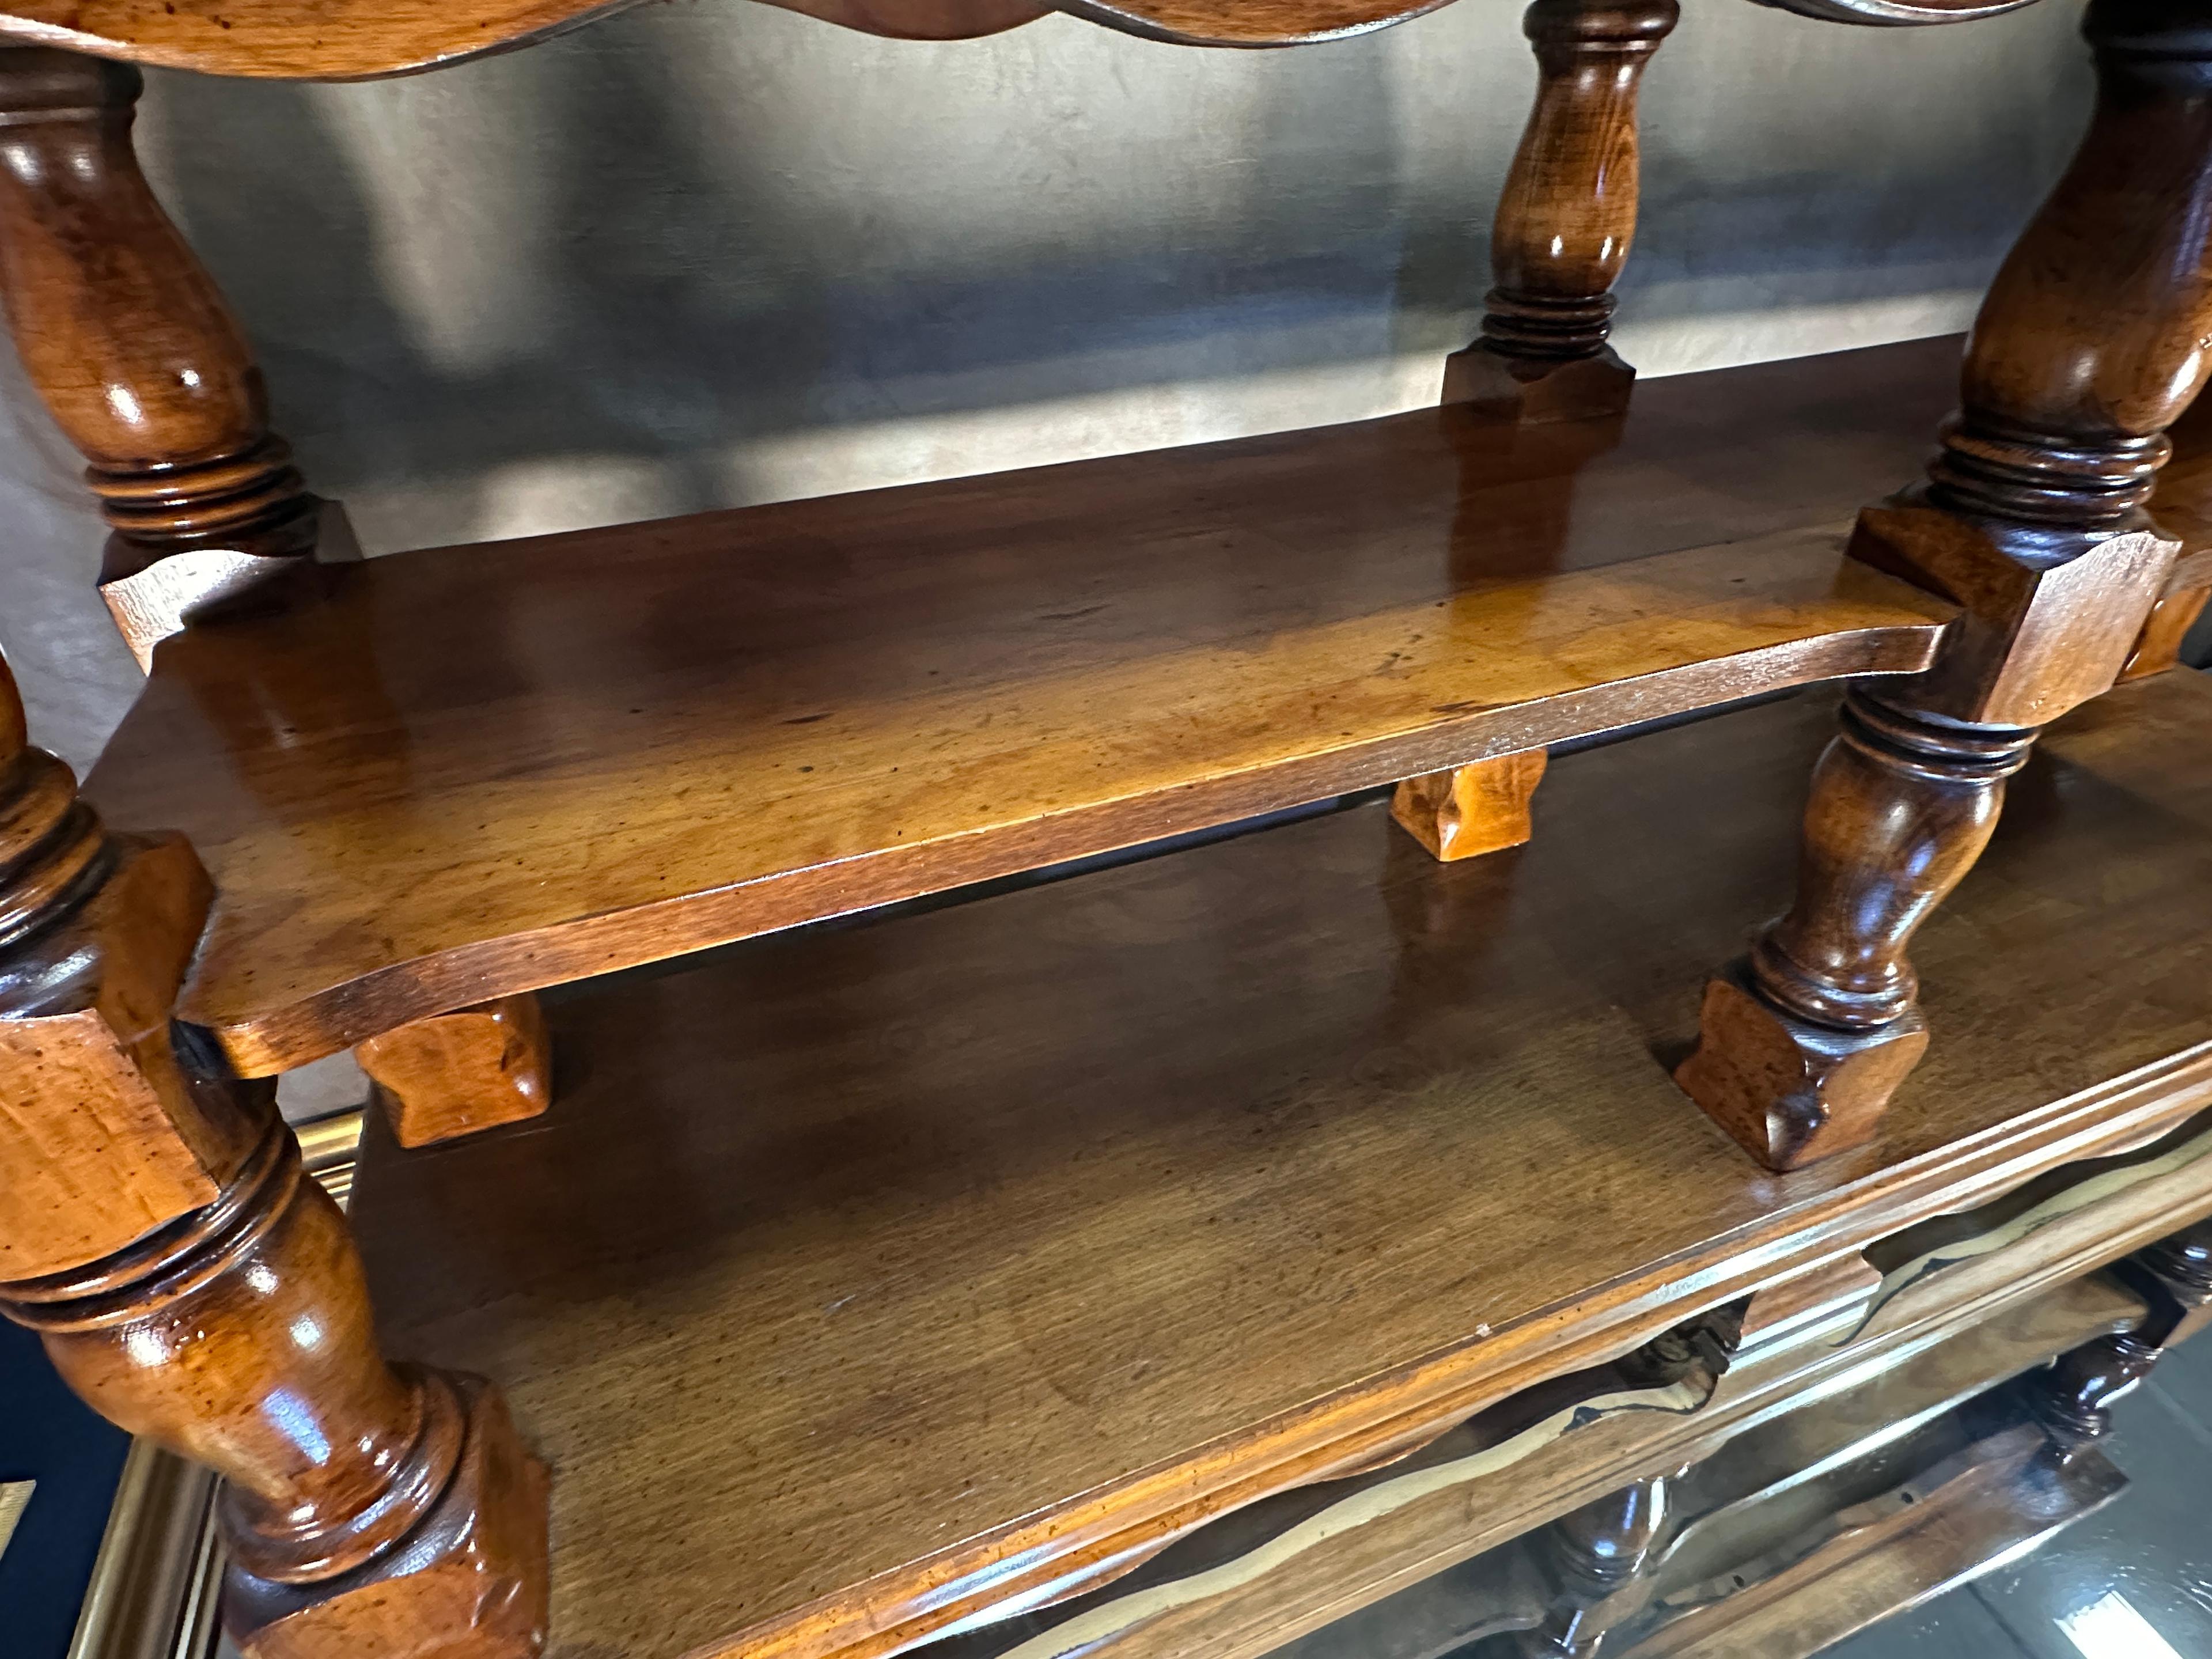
pixel 474 771
pixel 359 40
pixel 481 771
pixel 862 1281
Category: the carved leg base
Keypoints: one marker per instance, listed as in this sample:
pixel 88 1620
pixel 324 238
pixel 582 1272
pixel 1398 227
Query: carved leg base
pixel 457 1074
pixel 366 1509
pixel 1790 1092
pixel 1531 390
pixel 1481 807
pixel 475 1583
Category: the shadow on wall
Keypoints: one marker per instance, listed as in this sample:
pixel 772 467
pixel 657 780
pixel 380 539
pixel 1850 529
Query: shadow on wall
pixel 708 252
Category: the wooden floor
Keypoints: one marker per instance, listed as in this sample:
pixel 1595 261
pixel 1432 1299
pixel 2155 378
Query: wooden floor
pixel 486 769
pixel 1262 1155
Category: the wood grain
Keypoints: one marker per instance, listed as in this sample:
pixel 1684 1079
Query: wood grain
pixel 1801 1043
pixel 105 1135
pixel 1471 810
pixel 2091 341
pixel 129 345
pixel 474 772
pixel 1989 1504
pixel 1932 1330
pixel 454 1074
pixel 357 39
pixel 1565 220
pixel 1011 1240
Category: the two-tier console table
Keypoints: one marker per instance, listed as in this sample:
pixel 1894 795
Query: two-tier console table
pixel 1406 1200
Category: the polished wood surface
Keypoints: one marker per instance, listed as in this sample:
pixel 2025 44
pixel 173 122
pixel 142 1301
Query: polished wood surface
pixel 1565 220
pixel 1959 1303
pixel 1803 1043
pixel 454 1074
pixel 105 1135
pixel 128 341
pixel 1595 1553
pixel 1772 1483
pixel 1471 810
pixel 156 1231
pixel 355 40
pixel 2175 1278
pixel 2182 506
pixel 2092 342
pixel 474 772
pixel 1014 1240
pixel 242 1337
pixel 1794 1595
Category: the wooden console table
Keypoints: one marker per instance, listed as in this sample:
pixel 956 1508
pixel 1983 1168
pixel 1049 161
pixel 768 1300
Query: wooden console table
pixel 1318 1221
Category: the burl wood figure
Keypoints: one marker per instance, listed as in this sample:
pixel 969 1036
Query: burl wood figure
pixel 134 352
pixel 190 1284
pixel 2089 345
pixel 1564 225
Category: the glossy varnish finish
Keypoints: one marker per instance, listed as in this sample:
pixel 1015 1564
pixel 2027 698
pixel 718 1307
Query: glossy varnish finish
pixel 1006 1241
pixel 2010 1283
pixel 155 1229
pixel 454 1074
pixel 1565 220
pixel 1471 810
pixel 347 39
pixel 472 772
pixel 134 352
pixel 2091 342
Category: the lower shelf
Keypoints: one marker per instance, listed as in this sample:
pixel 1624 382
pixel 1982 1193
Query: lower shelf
pixel 1005 1245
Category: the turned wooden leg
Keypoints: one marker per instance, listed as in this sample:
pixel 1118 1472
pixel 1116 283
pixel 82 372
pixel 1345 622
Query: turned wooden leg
pixel 2091 342
pixel 1478 808
pixel 1594 1554
pixel 2075 1397
pixel 188 1282
pixel 1565 221
pixel 1804 1039
pixel 133 350
pixel 456 1073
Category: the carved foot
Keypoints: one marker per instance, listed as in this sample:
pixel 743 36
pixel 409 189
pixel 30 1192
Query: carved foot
pixel 474 1584
pixel 1787 1091
pixel 1801 1043
pixel 1532 391
pixel 457 1074
pixel 1481 807
pixel 366 1509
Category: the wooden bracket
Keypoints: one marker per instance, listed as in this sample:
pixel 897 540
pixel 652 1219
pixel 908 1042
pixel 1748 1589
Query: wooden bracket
pixel 1481 807
pixel 454 1074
